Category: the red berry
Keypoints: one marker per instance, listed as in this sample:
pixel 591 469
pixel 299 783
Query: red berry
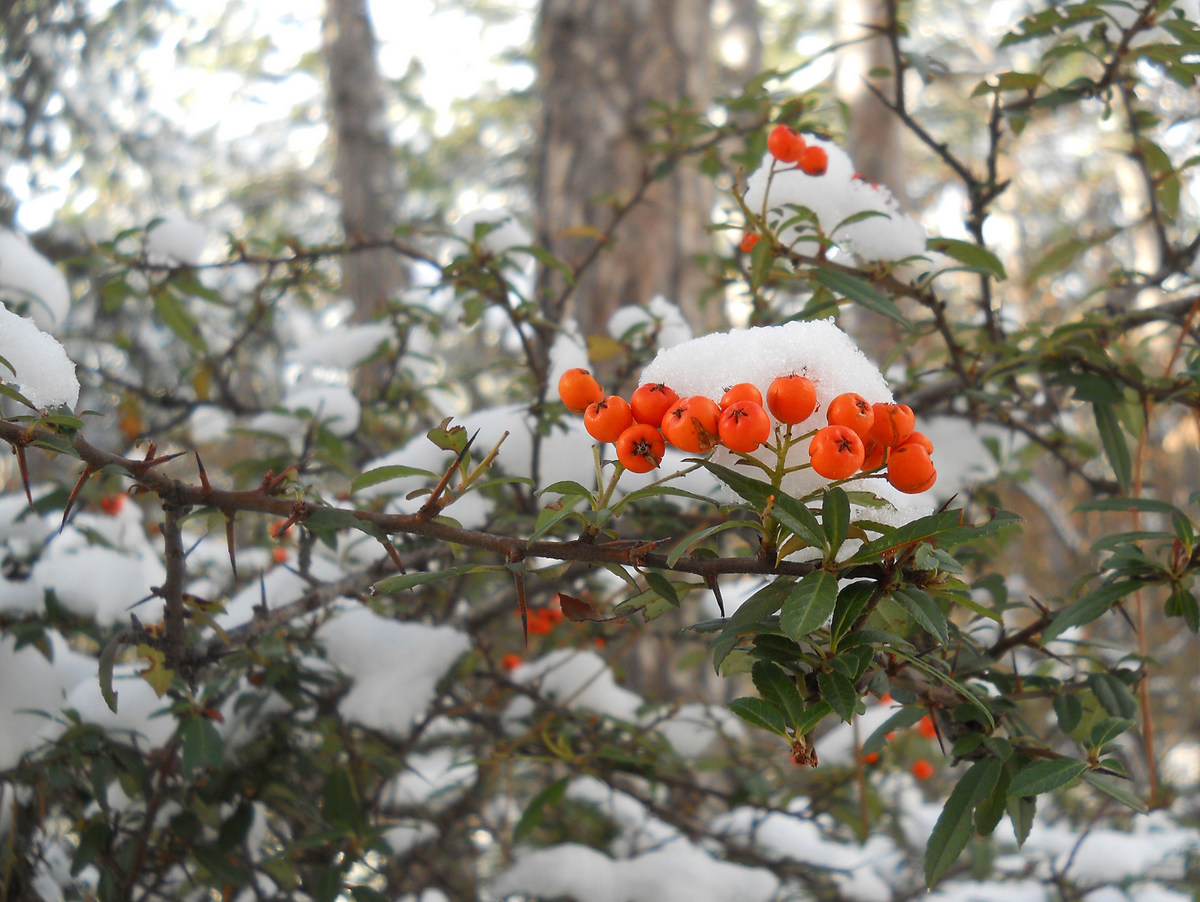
pixel 851 409
pixel 836 452
pixel 785 145
pixel 743 426
pixel 607 419
pixel 577 388
pixel 692 424
pixel 749 239
pixel 922 769
pixel 650 402
pixel 743 391
pixel 813 160
pixel 640 448
pixel 792 398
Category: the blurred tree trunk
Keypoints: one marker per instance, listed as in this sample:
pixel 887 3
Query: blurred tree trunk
pixel 363 163
pixel 873 133
pixel 603 67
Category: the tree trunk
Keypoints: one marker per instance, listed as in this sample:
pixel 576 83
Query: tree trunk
pixel 603 68
pixel 363 164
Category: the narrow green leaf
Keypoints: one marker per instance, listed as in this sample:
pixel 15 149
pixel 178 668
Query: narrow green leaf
pixel 691 540
pixel 1115 791
pixel 1046 776
pixel 852 600
pixel 171 310
pixel 904 717
pixel 794 515
pixel 780 690
pixel 861 292
pixel 990 810
pixel 202 745
pixel 1069 710
pixel 969 254
pixel 1088 608
pixel 759 713
pixel 1115 447
pixel 399 583
pixel 1106 730
pixel 835 518
pixel 1113 694
pixel 383 474
pixel 954 827
pixel 813 715
pixel 1021 811
pixel 839 692
pixel 339 801
pixel 809 603
pixel 924 610
pixel 1146 505
pixel 535 811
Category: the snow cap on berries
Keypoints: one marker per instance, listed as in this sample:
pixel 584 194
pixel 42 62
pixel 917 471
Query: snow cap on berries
pixel 835 196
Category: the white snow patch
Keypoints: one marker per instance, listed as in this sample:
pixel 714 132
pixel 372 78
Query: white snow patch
pixel 35 279
pixel 395 666
pixel 176 239
pixel 40 367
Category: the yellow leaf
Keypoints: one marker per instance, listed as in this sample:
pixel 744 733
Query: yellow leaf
pixel 158 675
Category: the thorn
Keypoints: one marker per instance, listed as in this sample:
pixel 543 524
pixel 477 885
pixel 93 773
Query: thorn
pixel 228 535
pixel 711 581
pixel 431 506
pixel 522 606
pixel 204 483
pixel 23 466
pixel 83 477
pixel 393 554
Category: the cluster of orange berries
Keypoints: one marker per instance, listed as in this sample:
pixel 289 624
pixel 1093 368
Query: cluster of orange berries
pixel 860 436
pixel 788 147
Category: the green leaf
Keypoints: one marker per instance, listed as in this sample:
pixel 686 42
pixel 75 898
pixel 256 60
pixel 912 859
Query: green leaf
pixel 691 540
pixel 220 869
pixel 904 717
pixel 1115 447
pixel 383 474
pixel 794 515
pixel 780 690
pixel 1021 811
pixel 762 261
pixel 1115 791
pixel 969 254
pixel 835 518
pixel 839 692
pixel 861 292
pixel 1114 696
pixel 924 610
pixel 364 893
pixel 1069 710
pixel 954 827
pixel 1106 730
pixel 395 584
pixel 92 839
pixel 748 617
pixel 759 713
pixel 1046 776
pixel 203 746
pixel 809 603
pixel 535 811
pixel 566 487
pixel 990 810
pixel 339 801
pixel 1088 608
pixel 172 311
pixel 852 600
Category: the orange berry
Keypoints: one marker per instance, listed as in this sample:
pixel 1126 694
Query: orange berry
pixel 640 448
pixel 872 758
pixel 875 455
pixel 577 388
pixel 743 391
pixel 919 438
pixel 792 398
pixel 785 145
pixel 650 402
pixel 910 470
pixel 692 424
pixel 749 239
pixel 852 410
pixel 926 728
pixel 743 426
pixel 279 554
pixel 112 504
pixel 607 419
pixel 511 661
pixel 836 452
pixel 892 425
pixel 922 769
pixel 539 624
pixel 813 160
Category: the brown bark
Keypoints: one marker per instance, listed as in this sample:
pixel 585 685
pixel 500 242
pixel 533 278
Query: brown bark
pixel 603 67
pixel 363 165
